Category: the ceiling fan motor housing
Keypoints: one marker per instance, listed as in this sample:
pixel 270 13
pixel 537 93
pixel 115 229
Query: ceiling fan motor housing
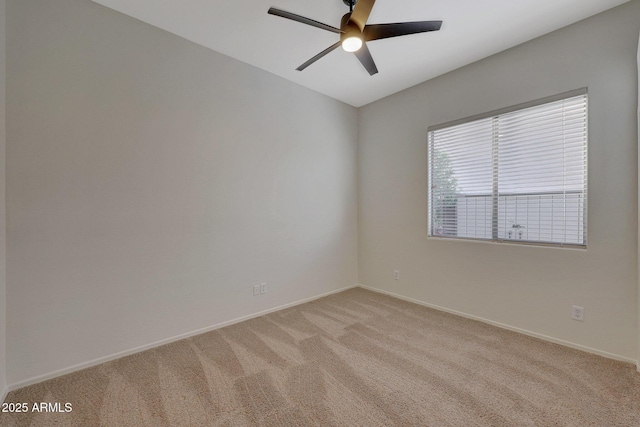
pixel 348 28
pixel 349 31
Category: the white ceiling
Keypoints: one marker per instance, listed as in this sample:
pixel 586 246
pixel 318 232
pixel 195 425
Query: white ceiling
pixel 471 30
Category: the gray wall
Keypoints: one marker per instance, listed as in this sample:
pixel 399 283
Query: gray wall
pixel 3 237
pixel 522 287
pixel 151 182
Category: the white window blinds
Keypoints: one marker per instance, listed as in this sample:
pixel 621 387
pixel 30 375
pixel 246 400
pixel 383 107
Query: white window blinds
pixel 518 174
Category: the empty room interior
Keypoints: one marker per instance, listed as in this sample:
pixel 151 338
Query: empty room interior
pixel 440 229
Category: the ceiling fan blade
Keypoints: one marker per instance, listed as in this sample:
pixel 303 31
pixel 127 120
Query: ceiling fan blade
pixel 361 13
pixel 318 56
pixel 302 19
pixel 366 59
pixel 383 31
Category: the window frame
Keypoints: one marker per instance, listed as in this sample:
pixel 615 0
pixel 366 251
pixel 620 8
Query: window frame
pixel 493 114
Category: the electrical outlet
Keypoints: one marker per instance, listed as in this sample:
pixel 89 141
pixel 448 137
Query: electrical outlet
pixel 263 288
pixel 256 290
pixel 577 313
pixel 396 274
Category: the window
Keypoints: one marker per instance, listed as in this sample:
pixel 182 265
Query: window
pixel 513 175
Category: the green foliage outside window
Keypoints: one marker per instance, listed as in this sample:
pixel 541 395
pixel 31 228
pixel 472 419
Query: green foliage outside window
pixel 444 187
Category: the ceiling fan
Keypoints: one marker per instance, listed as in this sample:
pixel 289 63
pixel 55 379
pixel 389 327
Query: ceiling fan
pixel 354 31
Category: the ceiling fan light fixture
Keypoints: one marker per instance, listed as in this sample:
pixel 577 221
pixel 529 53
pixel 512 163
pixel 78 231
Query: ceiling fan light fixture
pixel 352 43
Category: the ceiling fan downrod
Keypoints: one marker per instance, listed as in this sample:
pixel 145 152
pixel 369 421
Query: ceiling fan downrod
pixel 350 3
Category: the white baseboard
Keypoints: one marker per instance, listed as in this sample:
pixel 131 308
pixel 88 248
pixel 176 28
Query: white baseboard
pixel 510 328
pixel 89 364
pixel 40 378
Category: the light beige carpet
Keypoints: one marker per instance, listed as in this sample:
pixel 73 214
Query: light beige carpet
pixel 356 358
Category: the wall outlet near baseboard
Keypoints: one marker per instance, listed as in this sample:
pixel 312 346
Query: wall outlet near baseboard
pixel 263 288
pixel 577 313
pixel 396 274
pixel 256 290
